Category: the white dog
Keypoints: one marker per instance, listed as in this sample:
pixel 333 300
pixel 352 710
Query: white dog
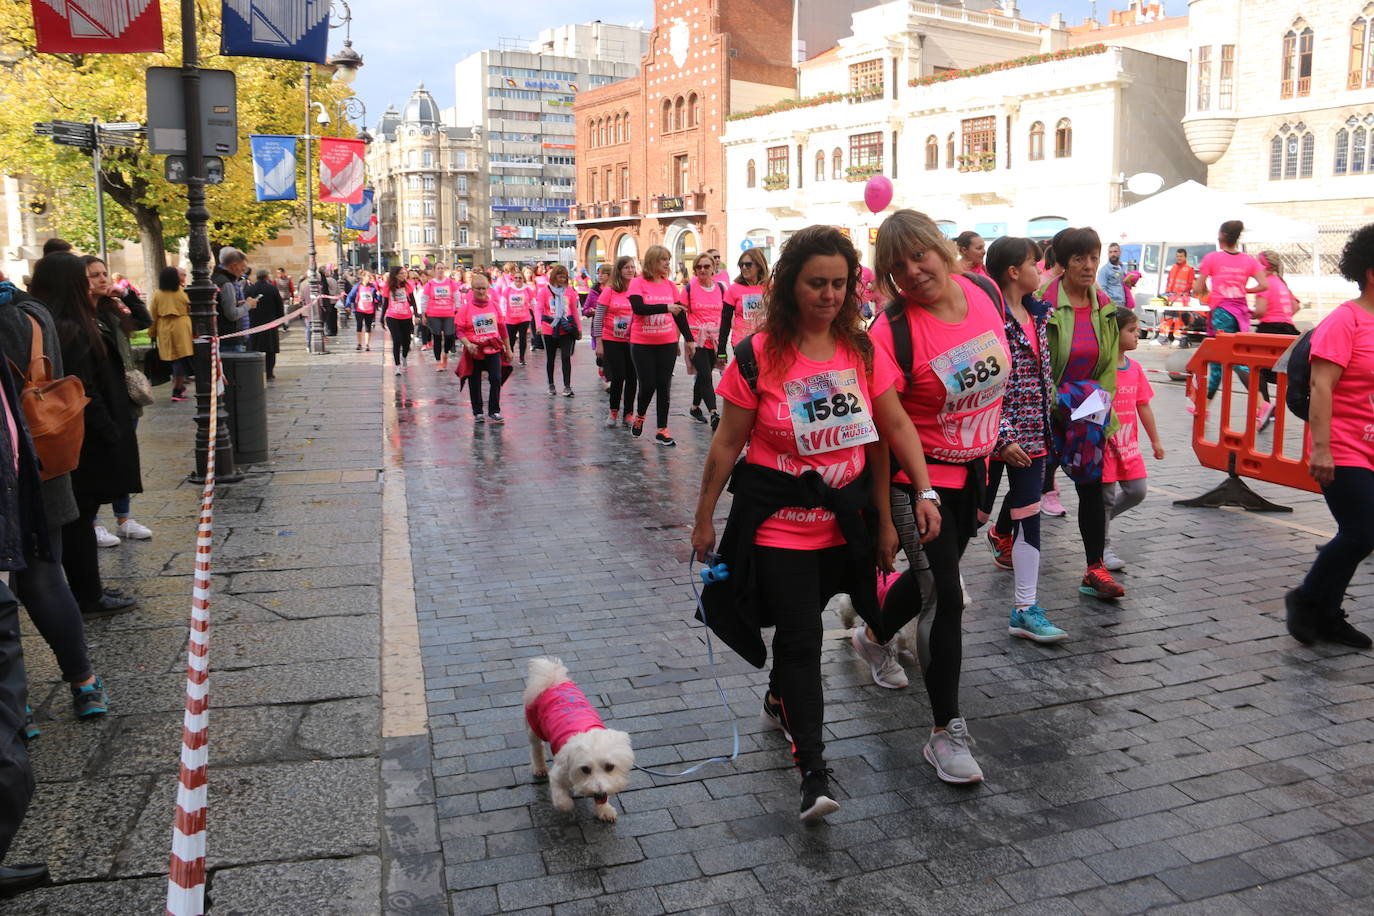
pixel 589 759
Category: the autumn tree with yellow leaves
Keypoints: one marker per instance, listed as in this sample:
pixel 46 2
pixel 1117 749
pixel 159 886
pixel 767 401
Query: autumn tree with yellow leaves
pixel 76 87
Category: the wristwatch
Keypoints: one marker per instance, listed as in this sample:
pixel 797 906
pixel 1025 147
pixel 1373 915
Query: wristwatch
pixel 929 494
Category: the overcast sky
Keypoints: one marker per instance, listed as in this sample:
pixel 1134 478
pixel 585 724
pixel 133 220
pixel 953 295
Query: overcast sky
pixel 405 42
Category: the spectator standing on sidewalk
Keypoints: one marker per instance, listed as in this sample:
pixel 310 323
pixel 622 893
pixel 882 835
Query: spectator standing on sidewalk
pixel 1111 277
pixel 266 309
pixel 231 303
pixel 171 329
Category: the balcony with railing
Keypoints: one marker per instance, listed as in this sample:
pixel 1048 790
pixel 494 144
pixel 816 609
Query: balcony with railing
pixel 605 211
pixel 693 203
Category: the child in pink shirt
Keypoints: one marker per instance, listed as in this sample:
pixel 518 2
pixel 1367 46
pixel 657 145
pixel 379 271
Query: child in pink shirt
pixel 1123 472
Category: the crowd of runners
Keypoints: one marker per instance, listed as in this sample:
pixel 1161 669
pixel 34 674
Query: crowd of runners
pixel 862 412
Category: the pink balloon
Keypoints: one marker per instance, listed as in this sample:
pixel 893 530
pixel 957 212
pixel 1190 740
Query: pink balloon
pixel 878 193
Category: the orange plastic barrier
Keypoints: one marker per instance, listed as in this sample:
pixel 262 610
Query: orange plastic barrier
pixel 1239 452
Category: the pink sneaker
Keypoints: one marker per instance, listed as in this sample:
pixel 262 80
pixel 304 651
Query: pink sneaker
pixel 1051 506
pixel 1264 416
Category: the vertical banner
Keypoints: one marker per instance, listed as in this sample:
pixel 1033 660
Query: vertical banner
pixel 274 166
pixel 360 214
pixel 97 26
pixel 341 171
pixel 284 29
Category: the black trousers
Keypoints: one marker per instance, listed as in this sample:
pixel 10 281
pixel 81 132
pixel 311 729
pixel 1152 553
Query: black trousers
pixel 654 366
pixel 562 345
pixel 79 553
pixel 1267 376
pixel 16 773
pixel 1092 520
pixel 795 585
pixel 620 372
pixel 400 330
pixel 519 331
pixel 42 586
pixel 490 364
pixel 704 387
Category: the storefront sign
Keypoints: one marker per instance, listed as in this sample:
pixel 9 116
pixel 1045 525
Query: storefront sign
pixel 671 205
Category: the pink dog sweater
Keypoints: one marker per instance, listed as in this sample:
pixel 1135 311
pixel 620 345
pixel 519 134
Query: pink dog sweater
pixel 561 712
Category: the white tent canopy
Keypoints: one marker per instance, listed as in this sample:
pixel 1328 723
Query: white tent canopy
pixel 1192 212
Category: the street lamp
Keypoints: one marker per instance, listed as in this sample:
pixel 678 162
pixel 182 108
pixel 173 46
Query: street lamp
pixel 345 64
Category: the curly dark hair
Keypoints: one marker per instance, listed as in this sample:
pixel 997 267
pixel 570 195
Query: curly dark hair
pixel 781 316
pixel 1357 258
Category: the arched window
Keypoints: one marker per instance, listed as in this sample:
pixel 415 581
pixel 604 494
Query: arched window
pixel 679 114
pixel 1292 151
pixel 627 126
pixel 750 175
pixel 1063 139
pixel 605 132
pixel 932 153
pixel 1276 158
pixel 1342 164
pixel 591 132
pixel 665 123
pixel 692 113
pixel 837 164
pixel 1305 41
pixel 1036 146
pixel 1357 150
pixel 1297 61
pixel 820 165
pixel 949 151
pixel 1307 155
pixel 619 130
pixel 1356 67
pixel 1289 64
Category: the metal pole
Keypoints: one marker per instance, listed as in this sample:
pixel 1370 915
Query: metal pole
pixel 201 291
pixel 338 240
pixel 313 280
pixel 99 189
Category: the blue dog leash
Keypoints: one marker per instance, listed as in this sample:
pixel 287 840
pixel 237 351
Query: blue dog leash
pixel 714 572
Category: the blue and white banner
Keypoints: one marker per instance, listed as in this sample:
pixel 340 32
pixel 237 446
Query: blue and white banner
pixel 274 166
pixel 285 29
pixel 360 215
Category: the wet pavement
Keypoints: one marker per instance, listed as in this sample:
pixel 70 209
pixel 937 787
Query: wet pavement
pixel 1180 752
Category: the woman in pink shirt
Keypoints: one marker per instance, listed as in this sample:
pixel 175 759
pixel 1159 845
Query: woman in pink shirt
pixel 400 316
pixel 560 325
pixel 441 304
pixel 658 321
pixel 486 348
pixel 972 250
pixel 611 335
pixel 810 398
pixel 516 302
pixel 1342 459
pixel 704 300
pixel 743 300
pixel 953 366
pixel 1275 308
pixel 1230 271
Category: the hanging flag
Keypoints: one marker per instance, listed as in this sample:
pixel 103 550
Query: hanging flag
pixel 97 26
pixel 360 215
pixel 369 235
pixel 285 29
pixel 341 171
pixel 274 166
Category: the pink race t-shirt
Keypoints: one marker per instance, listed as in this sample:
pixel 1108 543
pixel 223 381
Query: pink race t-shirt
pixel 516 301
pixel 722 277
pixel 561 712
pixel 653 329
pixel 397 306
pixel 439 298
pixel 868 285
pixel 1123 458
pixel 1229 273
pixel 482 324
pixel 808 415
pixel 748 305
pixel 1280 300
pixel 703 312
pixel 615 324
pixel 365 303
pixel 958 373
pixel 1346 338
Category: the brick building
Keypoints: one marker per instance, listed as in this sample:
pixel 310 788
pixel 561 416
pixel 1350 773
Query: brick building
pixel 650 165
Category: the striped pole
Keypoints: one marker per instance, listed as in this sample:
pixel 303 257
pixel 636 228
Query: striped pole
pixel 186 875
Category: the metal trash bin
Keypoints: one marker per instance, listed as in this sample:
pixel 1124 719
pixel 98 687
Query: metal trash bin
pixel 245 399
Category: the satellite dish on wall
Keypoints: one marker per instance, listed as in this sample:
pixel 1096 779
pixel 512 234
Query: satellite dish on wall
pixel 1144 183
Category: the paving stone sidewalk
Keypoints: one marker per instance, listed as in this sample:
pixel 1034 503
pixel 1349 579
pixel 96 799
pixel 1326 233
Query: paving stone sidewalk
pixel 294 794
pixel 1181 753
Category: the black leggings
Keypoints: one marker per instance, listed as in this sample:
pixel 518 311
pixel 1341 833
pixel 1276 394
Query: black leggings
pixel 620 372
pixel 654 366
pixel 400 330
pixel 553 346
pixel 489 363
pixel 42 587
pixel 704 388
pixel 1092 520
pixel 795 585
pixel 934 574
pixel 79 553
pixel 519 330
pixel 1350 497
pixel 1267 376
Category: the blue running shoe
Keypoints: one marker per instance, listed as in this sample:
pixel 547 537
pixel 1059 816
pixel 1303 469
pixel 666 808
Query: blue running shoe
pixel 90 700
pixel 30 730
pixel 1030 623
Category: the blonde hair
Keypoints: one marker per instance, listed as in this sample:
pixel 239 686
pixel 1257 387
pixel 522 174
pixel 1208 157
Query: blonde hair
pixel 1270 261
pixel 653 256
pixel 902 234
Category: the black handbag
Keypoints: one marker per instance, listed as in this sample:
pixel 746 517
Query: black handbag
pixel 158 370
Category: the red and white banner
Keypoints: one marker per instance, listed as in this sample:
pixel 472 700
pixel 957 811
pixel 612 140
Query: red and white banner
pixel 369 235
pixel 97 26
pixel 341 171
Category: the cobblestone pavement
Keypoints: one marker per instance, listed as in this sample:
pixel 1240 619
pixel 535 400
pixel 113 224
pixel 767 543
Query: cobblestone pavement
pixel 1181 752
pixel 294 797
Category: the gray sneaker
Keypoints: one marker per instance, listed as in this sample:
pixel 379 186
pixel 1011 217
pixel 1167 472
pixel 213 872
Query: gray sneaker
pixel 948 752
pixel 882 660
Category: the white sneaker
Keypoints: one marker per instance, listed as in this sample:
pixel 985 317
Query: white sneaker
pixel 103 538
pixel 882 660
pixel 1112 561
pixel 132 529
pixel 612 421
pixel 948 752
pixel 398 370
pixel 963 589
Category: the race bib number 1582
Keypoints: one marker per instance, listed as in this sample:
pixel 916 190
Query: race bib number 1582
pixel 829 412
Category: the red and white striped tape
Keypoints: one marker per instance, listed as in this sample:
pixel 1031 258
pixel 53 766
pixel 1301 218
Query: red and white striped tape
pixel 186 875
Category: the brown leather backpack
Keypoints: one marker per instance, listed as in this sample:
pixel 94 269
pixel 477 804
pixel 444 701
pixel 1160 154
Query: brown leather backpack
pixel 55 411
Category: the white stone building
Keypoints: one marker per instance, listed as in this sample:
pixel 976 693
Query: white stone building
pixel 1038 142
